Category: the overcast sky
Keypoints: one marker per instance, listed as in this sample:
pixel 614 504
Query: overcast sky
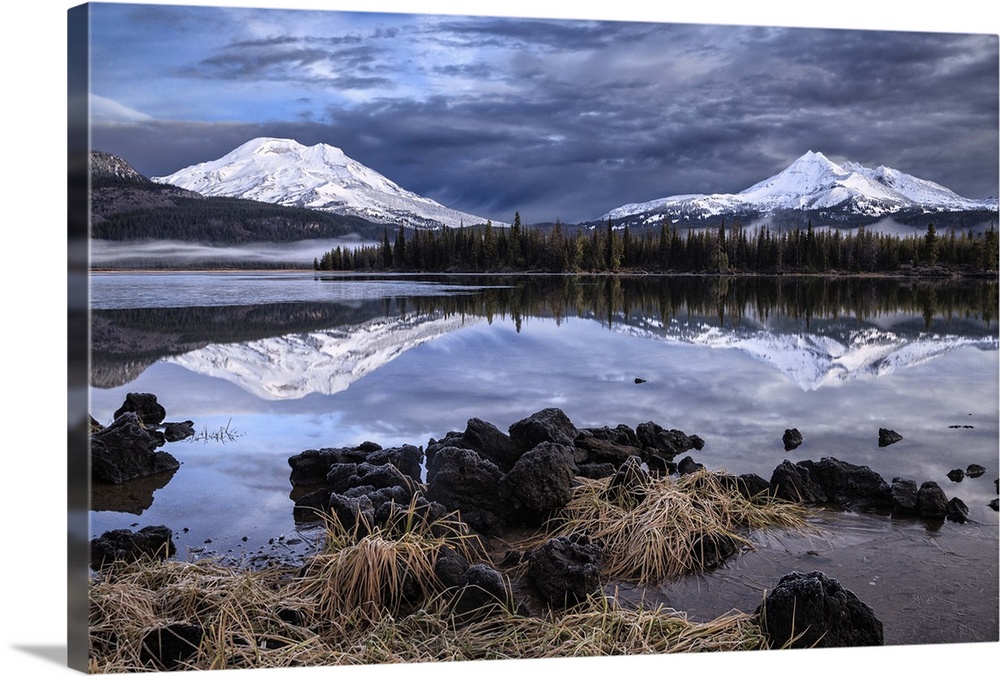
pixel 557 119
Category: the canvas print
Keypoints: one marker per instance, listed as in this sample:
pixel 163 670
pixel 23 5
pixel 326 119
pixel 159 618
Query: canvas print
pixel 417 338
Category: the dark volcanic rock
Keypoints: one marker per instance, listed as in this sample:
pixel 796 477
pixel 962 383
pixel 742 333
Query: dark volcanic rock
pixel 600 450
pixel 851 486
pixel 794 483
pixel 144 405
pixel 492 444
pixel 820 609
pixel 956 475
pixel 450 566
pixel 595 470
pixel 975 471
pixel 541 481
pixel 629 483
pixel 461 480
pixel 178 431
pixel 312 506
pixel 709 551
pixel 483 591
pixel 887 437
pixel 124 545
pixel 666 444
pixel 353 512
pixel 407 459
pixel 166 648
pixel 566 570
pixel 904 496
pixel 688 465
pixel 752 486
pixel 957 510
pixel 126 450
pixel 365 474
pixel 309 468
pixel 932 503
pixel 792 439
pixel 994 504
pixel 549 424
pixel 831 480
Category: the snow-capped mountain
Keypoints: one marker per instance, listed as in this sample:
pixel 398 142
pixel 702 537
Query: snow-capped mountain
pixel 816 185
pixel 321 177
pixel 319 362
pixel 822 357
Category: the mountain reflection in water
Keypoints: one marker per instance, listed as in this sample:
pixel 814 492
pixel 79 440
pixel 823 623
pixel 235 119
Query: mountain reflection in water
pixel 297 361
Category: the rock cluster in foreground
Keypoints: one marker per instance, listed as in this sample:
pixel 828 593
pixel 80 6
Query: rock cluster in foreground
pixel 127 449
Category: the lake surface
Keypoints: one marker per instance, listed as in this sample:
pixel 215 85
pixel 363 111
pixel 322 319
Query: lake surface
pixel 270 364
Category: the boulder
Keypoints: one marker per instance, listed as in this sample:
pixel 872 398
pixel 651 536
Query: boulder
pixel 666 444
pixel 687 465
pixel 629 483
pixel 794 483
pixel 957 511
pixel 353 512
pixel 807 610
pixel 154 542
pixel 482 591
pixel 595 470
pixel 345 476
pixel 792 439
pixel 602 451
pixel 463 481
pixel 956 475
pixel 548 425
pixel 903 496
pixel 711 550
pixel 407 459
pixel 752 486
pixel 932 503
pixel 566 570
pixel 887 437
pixel 178 431
pixel 126 449
pixel 851 486
pixel 311 506
pixel 492 444
pixel 450 566
pixel 309 468
pixel 145 406
pixel 540 482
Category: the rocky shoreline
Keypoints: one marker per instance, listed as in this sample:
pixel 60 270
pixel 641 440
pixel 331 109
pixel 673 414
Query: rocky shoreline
pixel 481 489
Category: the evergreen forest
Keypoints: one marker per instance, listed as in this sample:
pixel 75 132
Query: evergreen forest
pixel 725 249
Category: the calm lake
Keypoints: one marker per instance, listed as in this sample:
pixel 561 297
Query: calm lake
pixel 270 364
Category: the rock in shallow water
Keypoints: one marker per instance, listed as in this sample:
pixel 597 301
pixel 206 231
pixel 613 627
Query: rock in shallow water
pixel 808 610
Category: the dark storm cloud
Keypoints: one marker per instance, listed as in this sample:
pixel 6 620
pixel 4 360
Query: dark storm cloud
pixel 569 119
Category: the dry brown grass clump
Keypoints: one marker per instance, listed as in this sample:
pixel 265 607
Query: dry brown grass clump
pixel 243 628
pixel 371 596
pixel 679 526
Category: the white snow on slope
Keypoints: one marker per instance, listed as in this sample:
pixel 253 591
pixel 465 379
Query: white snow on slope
pixel 323 362
pixel 815 182
pixel 321 177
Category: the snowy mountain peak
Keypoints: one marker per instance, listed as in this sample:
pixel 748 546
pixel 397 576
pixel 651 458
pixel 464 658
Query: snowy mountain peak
pixel 284 171
pixel 813 182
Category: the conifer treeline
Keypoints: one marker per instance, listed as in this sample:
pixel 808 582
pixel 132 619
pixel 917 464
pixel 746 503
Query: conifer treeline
pixel 725 249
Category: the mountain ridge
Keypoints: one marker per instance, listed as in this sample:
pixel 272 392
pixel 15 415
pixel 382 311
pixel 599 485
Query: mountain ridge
pixel 320 177
pixel 813 186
